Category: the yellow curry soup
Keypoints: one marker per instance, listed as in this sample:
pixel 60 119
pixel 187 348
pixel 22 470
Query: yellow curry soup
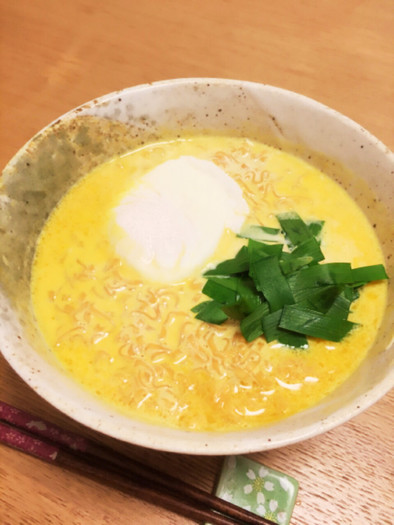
pixel 135 343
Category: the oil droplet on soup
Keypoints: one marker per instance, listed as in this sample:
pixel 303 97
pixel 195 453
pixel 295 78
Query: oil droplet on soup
pixel 131 339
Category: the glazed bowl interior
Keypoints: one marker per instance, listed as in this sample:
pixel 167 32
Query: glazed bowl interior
pixel 45 168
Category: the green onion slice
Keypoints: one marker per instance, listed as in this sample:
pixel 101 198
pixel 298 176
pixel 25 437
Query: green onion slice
pixel 230 291
pixel 251 326
pixel 260 250
pixel 367 274
pixel 239 264
pixel 313 323
pixel 269 280
pixel 315 227
pixel 260 233
pixel 320 275
pixel 340 307
pixel 222 289
pixel 274 332
pixel 210 312
pixel 295 229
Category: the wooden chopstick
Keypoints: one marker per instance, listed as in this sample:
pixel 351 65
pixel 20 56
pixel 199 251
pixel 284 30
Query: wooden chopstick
pixel 53 444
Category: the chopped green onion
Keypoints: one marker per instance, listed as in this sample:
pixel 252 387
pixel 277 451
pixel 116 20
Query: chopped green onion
pixel 200 307
pixel 260 233
pixel 231 291
pixel 285 295
pixel 308 248
pixel 320 275
pixel 306 253
pixel 259 250
pixel 351 292
pixel 234 311
pixel 239 264
pixel 365 274
pixel 294 228
pixel 315 324
pixel 221 289
pixel 320 299
pixel 340 307
pixel 315 227
pixel 273 332
pixel 290 264
pixel 269 280
pixel 210 312
pixel 251 326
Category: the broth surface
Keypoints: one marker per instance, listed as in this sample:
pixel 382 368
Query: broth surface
pixel 135 343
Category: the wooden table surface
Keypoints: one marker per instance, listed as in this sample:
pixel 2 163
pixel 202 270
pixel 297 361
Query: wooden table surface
pixel 56 55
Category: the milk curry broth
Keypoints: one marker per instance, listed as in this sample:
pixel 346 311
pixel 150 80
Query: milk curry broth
pixel 133 341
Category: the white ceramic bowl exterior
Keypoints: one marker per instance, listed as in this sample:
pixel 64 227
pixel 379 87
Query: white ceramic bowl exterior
pixel 193 106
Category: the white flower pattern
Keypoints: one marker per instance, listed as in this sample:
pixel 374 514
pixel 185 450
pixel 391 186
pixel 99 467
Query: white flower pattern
pixel 268 485
pixel 264 491
pixel 281 517
pixel 263 472
pixel 227 496
pixel 260 498
pixel 285 484
pixel 251 474
pixel 248 489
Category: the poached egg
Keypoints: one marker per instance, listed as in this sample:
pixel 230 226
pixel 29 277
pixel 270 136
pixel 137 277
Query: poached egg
pixel 172 221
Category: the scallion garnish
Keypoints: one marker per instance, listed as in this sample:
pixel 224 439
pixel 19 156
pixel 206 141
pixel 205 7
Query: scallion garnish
pixel 239 264
pixel 251 326
pixel 273 331
pixel 314 323
pixel 269 279
pixel 278 286
pixel 210 312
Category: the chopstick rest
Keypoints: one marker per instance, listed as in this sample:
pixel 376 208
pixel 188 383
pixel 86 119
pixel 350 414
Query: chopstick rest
pixel 262 490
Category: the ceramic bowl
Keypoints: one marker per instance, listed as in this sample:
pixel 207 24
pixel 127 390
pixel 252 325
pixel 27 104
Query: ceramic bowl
pixel 40 173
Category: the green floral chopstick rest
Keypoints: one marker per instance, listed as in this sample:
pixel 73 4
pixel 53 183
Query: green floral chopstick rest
pixel 257 488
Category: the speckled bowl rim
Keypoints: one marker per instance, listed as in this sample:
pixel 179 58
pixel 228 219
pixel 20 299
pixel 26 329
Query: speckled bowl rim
pixel 95 416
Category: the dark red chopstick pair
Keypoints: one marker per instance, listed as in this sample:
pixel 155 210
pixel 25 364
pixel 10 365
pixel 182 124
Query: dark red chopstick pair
pixel 50 443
